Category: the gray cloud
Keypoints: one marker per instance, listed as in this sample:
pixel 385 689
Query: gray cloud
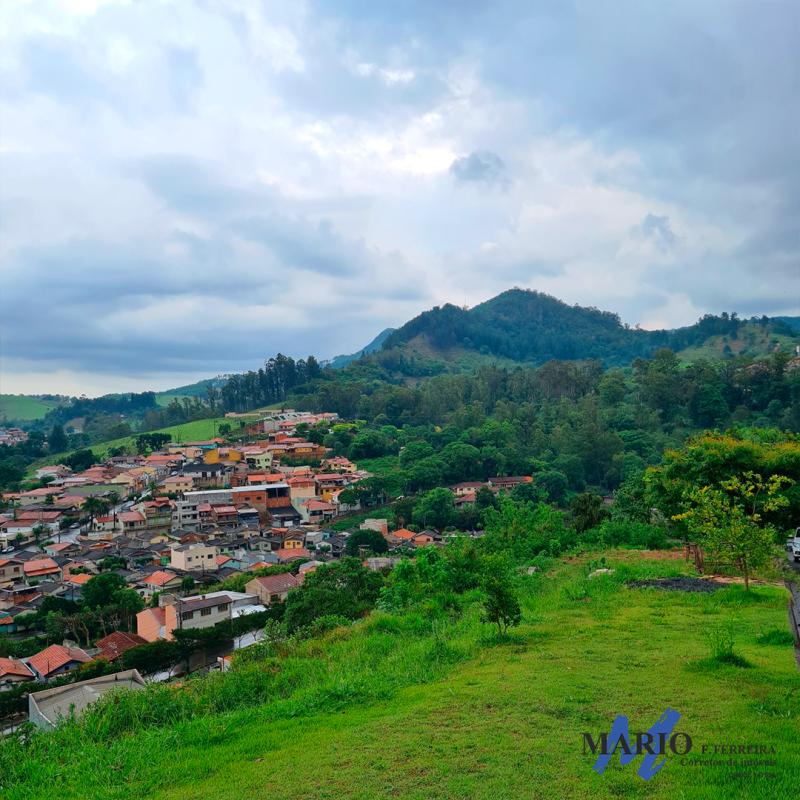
pixel 482 166
pixel 190 188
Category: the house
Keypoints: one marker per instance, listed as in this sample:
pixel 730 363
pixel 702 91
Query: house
pixel 53 471
pixel 50 706
pixel 56 660
pixel 13 671
pixel 201 611
pixel 285 555
pixel 177 484
pixel 272 588
pixel 39 568
pixel 316 512
pixel 509 482
pixel 466 487
pixel 194 556
pixel 116 643
pixel 160 581
pixel 10 570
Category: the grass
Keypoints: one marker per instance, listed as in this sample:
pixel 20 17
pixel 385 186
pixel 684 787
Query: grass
pixel 753 341
pixel 409 706
pixel 23 408
pixel 198 430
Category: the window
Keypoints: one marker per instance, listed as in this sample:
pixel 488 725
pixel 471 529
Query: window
pixel 223 607
pixel 187 615
pixel 205 612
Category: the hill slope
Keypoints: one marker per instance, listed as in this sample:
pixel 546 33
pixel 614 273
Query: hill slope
pixel 339 362
pixel 397 706
pixel 527 326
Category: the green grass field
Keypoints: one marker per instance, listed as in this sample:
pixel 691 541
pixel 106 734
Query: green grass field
pixel 414 706
pixel 23 408
pixel 186 432
pixel 753 341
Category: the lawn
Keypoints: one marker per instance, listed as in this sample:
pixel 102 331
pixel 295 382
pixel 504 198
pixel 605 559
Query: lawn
pixel 411 707
pixel 23 408
pixel 198 430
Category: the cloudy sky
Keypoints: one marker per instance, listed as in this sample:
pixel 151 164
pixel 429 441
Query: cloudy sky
pixel 188 187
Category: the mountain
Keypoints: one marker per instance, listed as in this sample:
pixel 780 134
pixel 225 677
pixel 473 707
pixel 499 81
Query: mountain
pixel 530 327
pixel 339 362
pixel 199 389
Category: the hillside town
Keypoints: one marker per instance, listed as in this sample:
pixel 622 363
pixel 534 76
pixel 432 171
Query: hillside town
pixel 173 524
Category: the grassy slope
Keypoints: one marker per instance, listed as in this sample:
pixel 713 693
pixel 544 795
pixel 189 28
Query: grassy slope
pixel 493 721
pixel 22 408
pixel 752 341
pixel 188 431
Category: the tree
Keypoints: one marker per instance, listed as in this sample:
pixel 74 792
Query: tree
pixel 588 511
pixel 435 509
pixel 501 601
pixel 369 540
pixel 728 520
pixel 95 507
pixel 345 588
pixel 57 441
pixel 101 590
pixel 187 583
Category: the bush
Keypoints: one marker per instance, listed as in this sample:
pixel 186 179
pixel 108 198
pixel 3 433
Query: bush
pixel 776 636
pixel 721 640
pixel 614 533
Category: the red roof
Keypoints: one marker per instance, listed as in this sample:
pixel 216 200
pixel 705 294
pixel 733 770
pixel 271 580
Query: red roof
pixel 160 578
pixel 79 578
pixel 52 658
pixel 11 666
pixel 131 516
pixel 403 533
pixel 275 584
pixel 116 643
pixel 286 554
pixel 39 566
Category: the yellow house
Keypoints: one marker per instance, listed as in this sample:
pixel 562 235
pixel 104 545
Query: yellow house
pixel 222 454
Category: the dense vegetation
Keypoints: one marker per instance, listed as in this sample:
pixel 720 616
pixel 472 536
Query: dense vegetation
pixel 533 327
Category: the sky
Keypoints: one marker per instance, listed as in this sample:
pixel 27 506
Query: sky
pixel 187 188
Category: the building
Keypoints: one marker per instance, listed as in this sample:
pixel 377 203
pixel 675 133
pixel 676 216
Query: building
pixel 195 556
pixel 10 570
pixel 272 588
pixel 201 611
pixel 13 671
pixel 50 706
pixel 56 660
pixel 115 644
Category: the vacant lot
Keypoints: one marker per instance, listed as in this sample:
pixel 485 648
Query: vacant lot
pixel 418 708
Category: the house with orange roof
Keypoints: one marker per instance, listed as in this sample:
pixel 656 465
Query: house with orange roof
pixel 160 581
pixel 14 671
pixel 39 568
pixel 115 644
pixel 56 660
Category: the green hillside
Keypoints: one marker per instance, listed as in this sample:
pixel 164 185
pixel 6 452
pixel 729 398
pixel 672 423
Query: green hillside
pixel 23 407
pixel 530 327
pixel 413 705
pixel 750 340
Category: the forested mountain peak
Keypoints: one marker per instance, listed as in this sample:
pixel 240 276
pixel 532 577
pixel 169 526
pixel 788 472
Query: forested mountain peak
pixel 529 326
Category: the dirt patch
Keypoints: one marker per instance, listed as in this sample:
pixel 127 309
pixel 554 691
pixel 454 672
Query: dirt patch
pixel 678 584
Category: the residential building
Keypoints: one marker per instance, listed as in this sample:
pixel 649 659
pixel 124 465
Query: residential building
pixel 56 660
pixel 272 588
pixel 13 671
pixel 195 556
pixel 48 708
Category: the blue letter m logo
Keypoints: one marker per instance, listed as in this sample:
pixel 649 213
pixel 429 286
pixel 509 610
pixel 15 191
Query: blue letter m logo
pixel 619 738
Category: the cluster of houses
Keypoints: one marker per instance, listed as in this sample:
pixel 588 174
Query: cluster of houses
pixel 176 522
pixel 12 436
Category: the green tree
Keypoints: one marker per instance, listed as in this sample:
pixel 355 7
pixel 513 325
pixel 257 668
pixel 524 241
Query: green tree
pixel 102 589
pixel 501 601
pixel 57 440
pixel 588 511
pixel 728 520
pixel 435 509
pixel 370 540
pixel 345 588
